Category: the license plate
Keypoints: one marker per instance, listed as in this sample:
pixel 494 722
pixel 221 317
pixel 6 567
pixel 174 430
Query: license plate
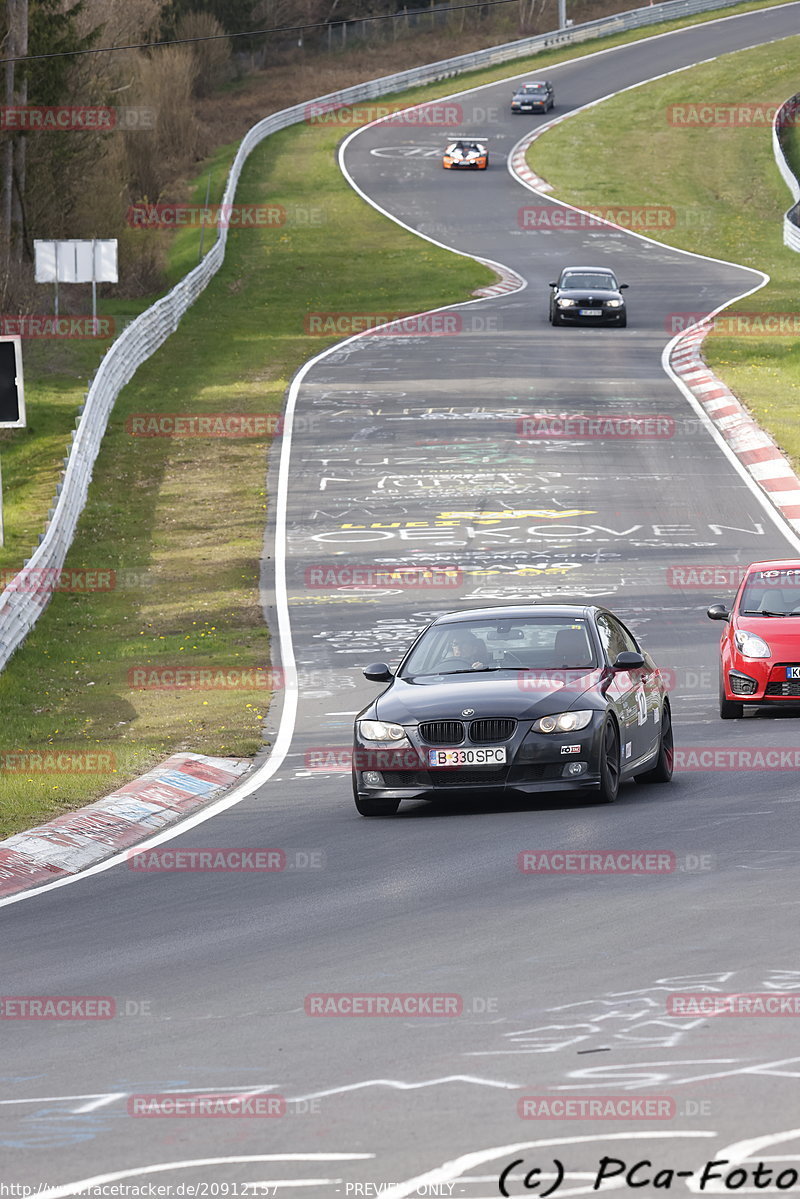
pixel 485 756
pixel 793 672
pixel 591 311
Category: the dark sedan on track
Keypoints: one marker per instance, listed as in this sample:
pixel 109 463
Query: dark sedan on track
pixel 588 295
pixel 517 700
pixel 536 96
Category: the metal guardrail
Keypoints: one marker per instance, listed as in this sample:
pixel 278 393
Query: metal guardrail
pixel 27 594
pixel 789 112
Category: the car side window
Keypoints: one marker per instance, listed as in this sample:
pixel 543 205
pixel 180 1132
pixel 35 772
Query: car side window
pixel 612 636
pixel 629 641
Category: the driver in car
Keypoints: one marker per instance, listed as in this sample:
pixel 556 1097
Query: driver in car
pixel 468 648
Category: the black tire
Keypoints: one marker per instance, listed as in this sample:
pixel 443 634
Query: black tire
pixel 609 763
pixel 555 320
pixel 728 708
pixel 374 807
pixel 662 771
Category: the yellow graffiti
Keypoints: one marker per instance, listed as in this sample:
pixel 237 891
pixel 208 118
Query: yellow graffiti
pixel 453 519
pixel 520 514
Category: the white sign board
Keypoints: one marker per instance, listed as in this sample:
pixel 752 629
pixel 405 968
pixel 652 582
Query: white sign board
pixel 76 261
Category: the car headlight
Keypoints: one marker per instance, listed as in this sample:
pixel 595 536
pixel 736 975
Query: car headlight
pixel 751 646
pixel 566 303
pixel 379 730
pixel 563 722
pixel 613 303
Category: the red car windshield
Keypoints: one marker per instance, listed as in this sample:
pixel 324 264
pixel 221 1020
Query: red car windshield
pixel 774 592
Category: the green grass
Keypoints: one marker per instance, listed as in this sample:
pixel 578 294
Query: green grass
pixel 181 521
pixel 728 196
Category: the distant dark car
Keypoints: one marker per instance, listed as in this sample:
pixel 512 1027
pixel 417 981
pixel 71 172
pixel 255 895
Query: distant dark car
pixel 536 96
pixel 516 700
pixel 588 295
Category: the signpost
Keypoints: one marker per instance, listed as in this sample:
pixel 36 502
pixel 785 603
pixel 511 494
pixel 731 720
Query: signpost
pixel 76 261
pixel 12 396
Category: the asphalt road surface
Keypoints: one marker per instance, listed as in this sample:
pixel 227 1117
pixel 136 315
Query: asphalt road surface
pixel 406 452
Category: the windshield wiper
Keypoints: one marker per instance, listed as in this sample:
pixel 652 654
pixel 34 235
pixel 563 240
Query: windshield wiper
pixel 762 612
pixel 478 669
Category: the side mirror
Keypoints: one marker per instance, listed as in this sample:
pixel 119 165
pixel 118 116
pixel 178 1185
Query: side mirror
pixel 628 660
pixel 718 612
pixel 622 286
pixel 552 285
pixel 378 672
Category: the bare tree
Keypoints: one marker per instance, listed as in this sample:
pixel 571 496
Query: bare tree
pixel 13 169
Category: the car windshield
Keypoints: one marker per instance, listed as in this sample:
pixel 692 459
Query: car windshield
pixel 530 643
pixel 604 281
pixel 772 593
pixel 534 87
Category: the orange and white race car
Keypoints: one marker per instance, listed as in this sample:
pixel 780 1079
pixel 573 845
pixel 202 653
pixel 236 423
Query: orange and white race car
pixel 467 154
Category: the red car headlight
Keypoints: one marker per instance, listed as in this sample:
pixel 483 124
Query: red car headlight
pixel 750 645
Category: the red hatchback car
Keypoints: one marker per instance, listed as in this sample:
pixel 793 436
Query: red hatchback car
pixel 760 644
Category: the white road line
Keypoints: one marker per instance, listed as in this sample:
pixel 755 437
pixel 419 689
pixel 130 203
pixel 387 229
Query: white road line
pixel 94 1104
pixel 71 1188
pixel 397 1085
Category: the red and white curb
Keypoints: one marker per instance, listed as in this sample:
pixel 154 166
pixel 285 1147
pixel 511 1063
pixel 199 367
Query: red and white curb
pixel 754 448
pixel 73 842
pixel 509 280
pixel 518 162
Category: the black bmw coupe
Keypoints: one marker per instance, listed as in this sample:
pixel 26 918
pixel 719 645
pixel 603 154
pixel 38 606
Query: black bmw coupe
pixel 517 700
pixel 588 295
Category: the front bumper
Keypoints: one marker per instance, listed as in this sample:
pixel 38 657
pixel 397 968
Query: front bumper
pixel 608 316
pixel 537 763
pixel 760 682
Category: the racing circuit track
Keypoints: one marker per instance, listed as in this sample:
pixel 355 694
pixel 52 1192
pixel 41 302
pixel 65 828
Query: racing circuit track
pixel 406 451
